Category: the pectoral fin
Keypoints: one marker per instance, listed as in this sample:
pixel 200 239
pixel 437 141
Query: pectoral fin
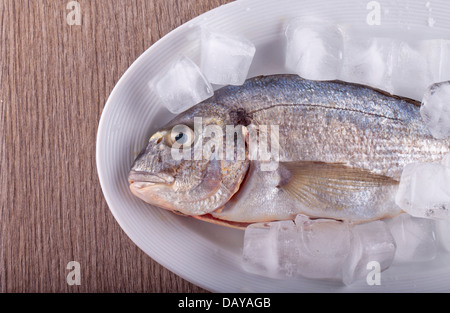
pixel 324 185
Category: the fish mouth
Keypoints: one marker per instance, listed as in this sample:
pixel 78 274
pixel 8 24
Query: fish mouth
pixel 148 186
pixel 144 179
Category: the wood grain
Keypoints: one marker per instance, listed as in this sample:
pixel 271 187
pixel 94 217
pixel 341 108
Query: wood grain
pixel 55 79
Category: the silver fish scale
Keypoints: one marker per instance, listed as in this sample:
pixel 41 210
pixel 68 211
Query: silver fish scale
pixel 337 122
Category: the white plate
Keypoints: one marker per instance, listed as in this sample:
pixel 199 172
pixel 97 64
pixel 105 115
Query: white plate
pixel 209 255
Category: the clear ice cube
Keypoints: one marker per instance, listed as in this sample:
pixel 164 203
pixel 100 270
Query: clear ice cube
pixel 415 67
pixel 415 238
pixel 369 61
pixel 446 160
pixel 435 109
pixel 181 86
pixel 372 246
pixel 316 248
pixel 443 234
pixel 314 49
pixel 270 249
pixel 225 59
pixel 423 190
pixel 323 247
pixel 444 71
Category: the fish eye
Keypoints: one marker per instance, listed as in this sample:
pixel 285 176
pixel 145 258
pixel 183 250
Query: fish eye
pixel 181 138
pixel 181 135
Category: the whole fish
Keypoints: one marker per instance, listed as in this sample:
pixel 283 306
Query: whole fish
pixel 341 149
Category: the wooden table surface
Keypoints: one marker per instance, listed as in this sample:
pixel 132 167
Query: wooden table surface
pixel 55 79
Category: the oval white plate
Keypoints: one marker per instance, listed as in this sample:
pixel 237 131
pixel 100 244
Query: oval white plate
pixel 209 255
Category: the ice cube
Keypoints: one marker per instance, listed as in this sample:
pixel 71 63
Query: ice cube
pixel 225 59
pixel 372 246
pixel 181 86
pixel 323 247
pixel 314 49
pixel 318 248
pixel 446 160
pixel 415 238
pixel 443 233
pixel 270 249
pixel 368 61
pixel 444 73
pixel 423 190
pixel 415 67
pixel 435 109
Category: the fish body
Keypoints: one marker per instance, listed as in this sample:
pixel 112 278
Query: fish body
pixel 341 149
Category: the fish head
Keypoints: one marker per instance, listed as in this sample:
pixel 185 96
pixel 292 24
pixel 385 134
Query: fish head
pixel 194 164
